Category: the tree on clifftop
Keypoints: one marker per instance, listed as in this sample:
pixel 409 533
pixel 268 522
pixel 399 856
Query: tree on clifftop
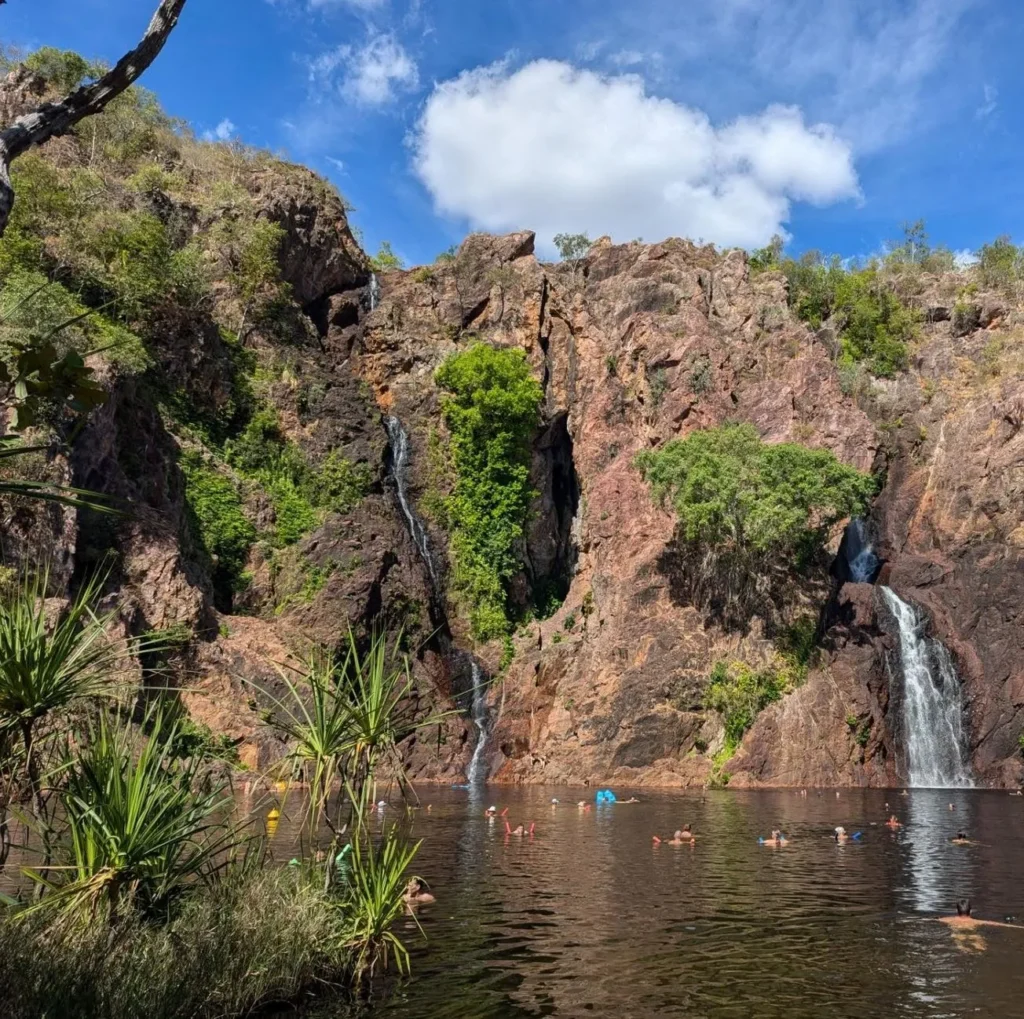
pixel 751 514
pixel 52 119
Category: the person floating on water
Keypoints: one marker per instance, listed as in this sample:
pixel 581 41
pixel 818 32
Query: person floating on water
pixel 893 822
pixel 679 838
pixel 416 892
pixel 519 830
pixel 961 839
pixel 777 839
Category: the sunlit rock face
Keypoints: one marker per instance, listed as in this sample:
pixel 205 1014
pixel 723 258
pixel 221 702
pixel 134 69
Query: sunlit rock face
pixel 634 345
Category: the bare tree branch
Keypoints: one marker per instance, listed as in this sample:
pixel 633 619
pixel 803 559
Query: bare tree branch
pixel 53 119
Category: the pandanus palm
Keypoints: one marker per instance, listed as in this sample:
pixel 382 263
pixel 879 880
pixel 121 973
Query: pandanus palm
pixel 51 661
pixel 139 828
pixel 374 899
pixel 345 715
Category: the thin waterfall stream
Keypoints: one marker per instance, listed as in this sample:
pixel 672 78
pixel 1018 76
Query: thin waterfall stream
pixel 481 719
pixel 398 439
pixel 932 704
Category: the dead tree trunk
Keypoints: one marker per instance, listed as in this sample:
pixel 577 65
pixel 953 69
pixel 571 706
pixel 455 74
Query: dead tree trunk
pixel 52 119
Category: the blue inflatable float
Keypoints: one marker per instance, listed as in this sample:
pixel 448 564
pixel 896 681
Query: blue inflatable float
pixel 605 796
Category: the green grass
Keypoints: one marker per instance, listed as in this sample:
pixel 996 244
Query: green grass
pixel 262 939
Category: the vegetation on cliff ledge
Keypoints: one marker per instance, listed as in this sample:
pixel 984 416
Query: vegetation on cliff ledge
pixel 155 258
pixel 750 512
pixel 491 408
pixel 864 303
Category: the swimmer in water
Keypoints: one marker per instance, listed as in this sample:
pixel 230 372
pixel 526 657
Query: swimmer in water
pixel 416 892
pixel 965 921
pixel 679 838
pixel 632 799
pixel 841 836
pixel 777 839
pixel 491 812
pixel 893 822
pixel 519 830
pixel 961 839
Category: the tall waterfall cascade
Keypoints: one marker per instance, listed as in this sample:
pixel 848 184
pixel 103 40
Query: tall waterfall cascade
pixel 935 741
pixel 399 440
pixel 481 719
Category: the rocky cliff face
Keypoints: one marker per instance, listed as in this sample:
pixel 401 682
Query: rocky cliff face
pixel 645 343
pixel 634 346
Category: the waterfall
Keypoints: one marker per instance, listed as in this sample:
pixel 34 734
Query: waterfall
pixel 481 720
pixel 374 291
pixel 932 706
pixel 400 472
pixel 860 553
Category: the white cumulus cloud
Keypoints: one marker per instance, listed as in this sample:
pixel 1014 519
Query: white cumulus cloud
pixel 371 75
pixel 223 132
pixel 555 148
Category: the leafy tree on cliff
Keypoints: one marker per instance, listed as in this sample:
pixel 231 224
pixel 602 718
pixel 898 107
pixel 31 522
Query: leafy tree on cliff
pixel 750 513
pixel 572 248
pixel 491 408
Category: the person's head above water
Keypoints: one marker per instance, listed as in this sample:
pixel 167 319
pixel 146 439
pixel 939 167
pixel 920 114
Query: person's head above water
pixel 963 907
pixel 677 834
pixel 961 835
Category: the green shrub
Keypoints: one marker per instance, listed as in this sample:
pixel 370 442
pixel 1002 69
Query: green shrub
pixel 874 325
pixel 261 451
pixel 657 380
pixel 1001 264
pixel 340 484
pixel 797 643
pixel 63 69
pixel 222 531
pixel 730 489
pixel 701 375
pixel 739 694
pixel 194 740
pixel 491 407
pixel 31 307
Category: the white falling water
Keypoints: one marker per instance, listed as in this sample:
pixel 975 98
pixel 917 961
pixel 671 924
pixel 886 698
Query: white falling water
pixel 374 291
pixel 399 441
pixel 933 715
pixel 480 720
pixel 860 553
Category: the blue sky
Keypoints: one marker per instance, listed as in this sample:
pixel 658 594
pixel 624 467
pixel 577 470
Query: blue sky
pixel 832 120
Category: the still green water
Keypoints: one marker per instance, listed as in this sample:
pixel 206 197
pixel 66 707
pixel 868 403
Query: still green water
pixel 589 919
